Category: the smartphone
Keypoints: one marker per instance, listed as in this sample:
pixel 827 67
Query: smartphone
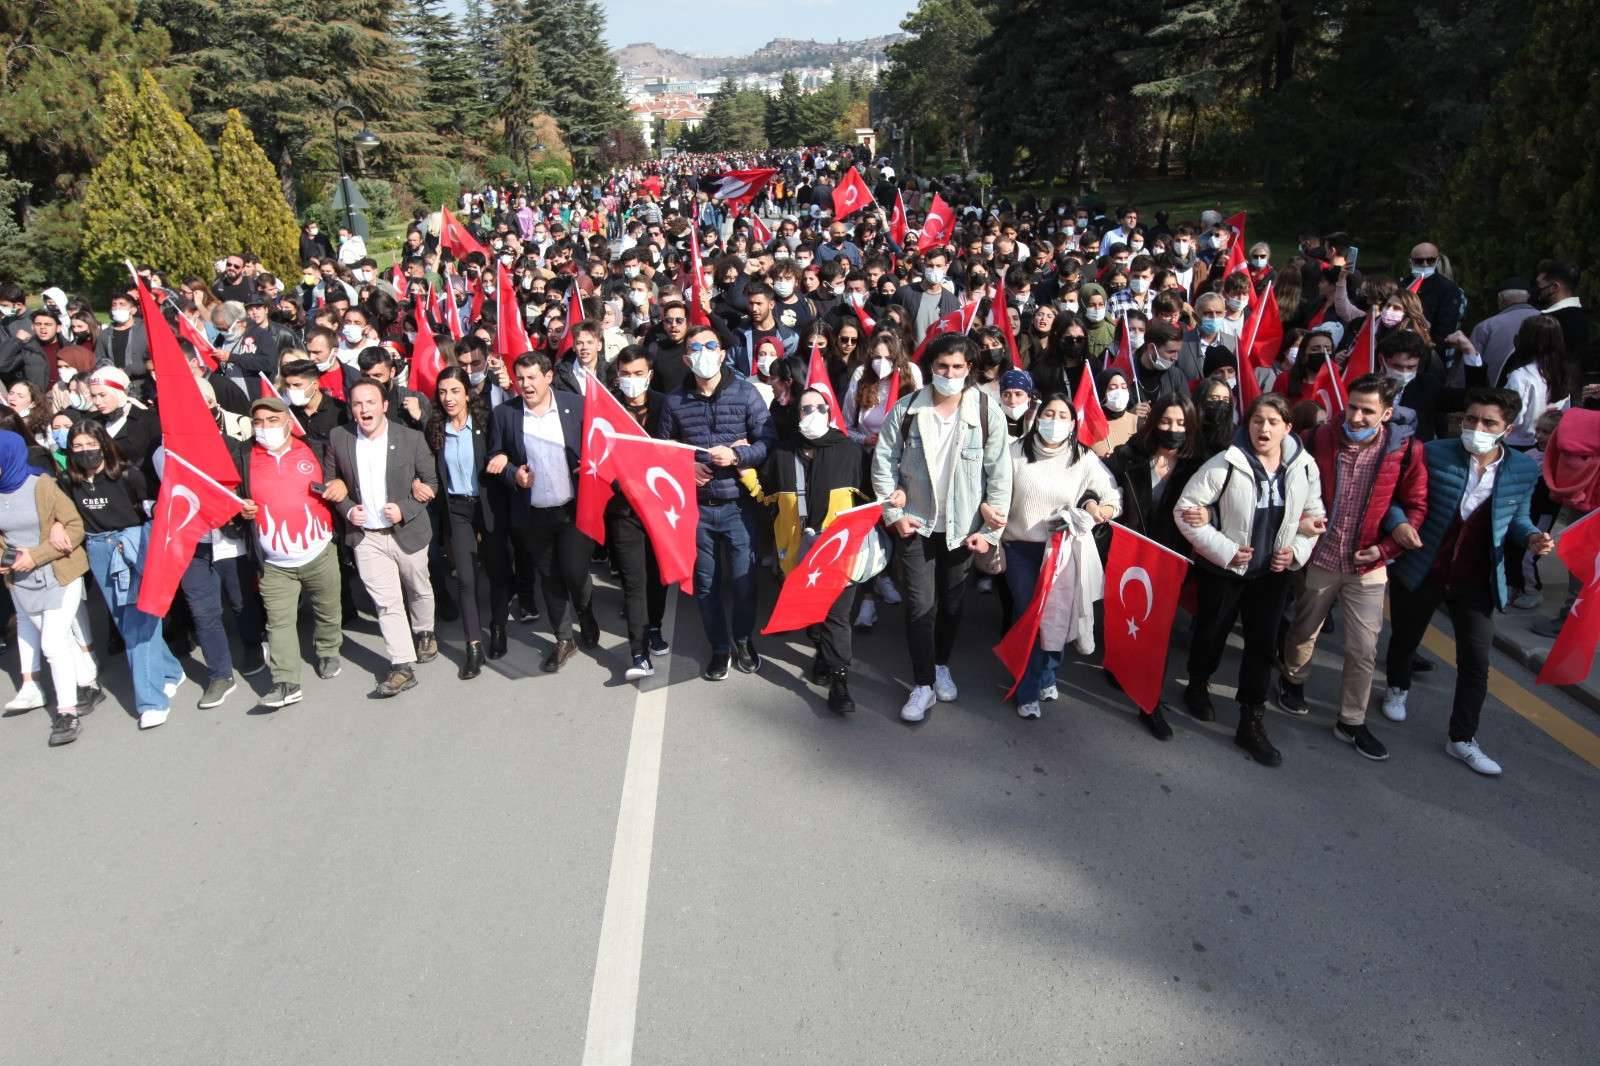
pixel 318 487
pixel 8 558
pixel 1355 253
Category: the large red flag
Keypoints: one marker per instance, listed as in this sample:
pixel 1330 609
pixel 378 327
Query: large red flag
pixel 189 507
pixel 811 589
pixel 1328 390
pixel 698 316
pixel 1236 247
pixel 657 477
pixel 1266 333
pixel 1364 352
pixel 186 422
pixel 197 337
pixel 269 389
pixel 446 311
pixel 897 220
pixel 510 335
pixel 938 226
pixel 1572 657
pixel 604 416
pixel 426 362
pixel 817 378
pixel 850 195
pixel 738 187
pixel 957 321
pixel 1093 426
pixel 1137 632
pixel 1016 647
pixel 454 238
pixel 758 231
pixel 1000 319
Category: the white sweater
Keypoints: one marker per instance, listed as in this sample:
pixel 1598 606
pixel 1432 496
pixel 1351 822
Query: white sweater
pixel 1041 491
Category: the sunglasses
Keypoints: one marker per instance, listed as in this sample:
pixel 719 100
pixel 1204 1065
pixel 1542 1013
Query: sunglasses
pixel 813 408
pixel 1427 260
pixel 674 321
pixel 707 346
pixel 847 342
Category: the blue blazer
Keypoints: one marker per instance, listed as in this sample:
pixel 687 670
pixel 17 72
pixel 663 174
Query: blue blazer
pixel 505 438
pixel 1447 483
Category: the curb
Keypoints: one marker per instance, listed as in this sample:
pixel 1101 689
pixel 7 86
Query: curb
pixel 1533 659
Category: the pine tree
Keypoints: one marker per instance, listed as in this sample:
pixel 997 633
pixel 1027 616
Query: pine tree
pixel 585 88
pixel 526 90
pixel 784 113
pixel 449 101
pixel 258 216
pixel 153 197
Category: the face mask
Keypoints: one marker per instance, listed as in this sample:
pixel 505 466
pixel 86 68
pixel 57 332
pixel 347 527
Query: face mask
pixel 1070 306
pixel 705 364
pixel 299 397
pixel 58 437
pixel 81 403
pixel 1073 349
pixel 1135 339
pixel 1135 246
pixel 1014 411
pixel 1422 272
pixel 933 275
pixel 837 290
pixel 856 299
pixel 308 279
pixel 1116 400
pixel 119 315
pixel 1095 314
pixel 1360 434
pixel 272 436
pixel 1214 411
pixel 948 386
pixel 1180 248
pixel 1159 363
pixel 475 377
pixel 1391 318
pixel 633 388
pixel 1054 430
pixel 1404 377
pixel 87 461
pixel 1139 285
pixel 882 367
pixel 802 263
pixel 24 412
pixel 814 425
pixel 507 258
pixel 784 288
pixel 1170 439
pixel 67 374
pixel 764 364
pixel 1259 262
pixel 1292 355
pixel 637 298
pixel 351 334
pixel 1478 442
pixel 1237 303
pixel 1210 326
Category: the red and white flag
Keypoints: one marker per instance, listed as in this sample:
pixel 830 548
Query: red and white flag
pixel 454 238
pixel 1000 319
pixel 446 311
pixel 657 477
pixel 850 195
pixel 812 587
pixel 1236 247
pixel 957 321
pixel 197 337
pixel 738 187
pixel 1093 426
pixel 698 316
pixel 1266 333
pixel 1016 647
pixel 510 335
pixel 190 506
pixel 868 325
pixel 426 362
pixel 1328 390
pixel 759 231
pixel 938 227
pixel 1416 284
pixel 397 278
pixel 817 379
pixel 604 419
pixel 1572 656
pixel 269 389
pixel 1143 580
pixel 572 311
pixel 1364 352
pixel 897 220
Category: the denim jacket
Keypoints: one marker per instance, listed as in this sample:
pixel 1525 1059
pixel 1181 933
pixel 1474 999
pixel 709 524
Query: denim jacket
pixel 982 465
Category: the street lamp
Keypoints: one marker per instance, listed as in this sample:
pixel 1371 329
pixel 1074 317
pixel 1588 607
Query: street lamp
pixel 364 139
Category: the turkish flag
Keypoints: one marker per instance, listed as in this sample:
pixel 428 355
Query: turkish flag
pixel 1328 390
pixel 938 227
pixel 850 195
pixel 397 278
pixel 607 418
pixel 186 422
pixel 572 307
pixel 1093 427
pixel 426 362
pixel 269 389
pixel 510 336
pixel 1572 657
pixel 957 321
pixel 738 187
pixel 657 477
pixel 1245 393
pixel 1016 647
pixel 868 325
pixel 818 380
pixel 698 315
pixel 652 183
pixel 1139 618
pixel 1123 360
pixel 189 507
pixel 1266 333
pixel 1364 352
pixel 446 311
pixel 1236 248
pixel 1000 319
pixel 897 220
pixel 1416 286
pixel 454 238
pixel 197 337
pixel 812 588
pixel 759 232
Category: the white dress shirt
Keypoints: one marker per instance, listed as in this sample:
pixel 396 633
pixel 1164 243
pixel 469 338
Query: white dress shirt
pixel 546 448
pixel 372 473
pixel 1480 486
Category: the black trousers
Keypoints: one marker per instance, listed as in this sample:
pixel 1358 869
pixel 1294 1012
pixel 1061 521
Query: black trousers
pixel 1257 603
pixel 935 587
pixel 644 597
pixel 560 554
pixel 832 635
pixel 464 520
pixel 1472 618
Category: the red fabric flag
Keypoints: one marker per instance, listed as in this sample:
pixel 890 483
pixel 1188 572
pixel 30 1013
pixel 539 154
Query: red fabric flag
pixel 1416 286
pixel 1137 633
pixel 759 231
pixel 738 187
pixel 397 278
pixel 897 220
pixel 868 325
pixel 1016 647
pixel 1000 319
pixel 653 184
pixel 475 311
pixel 189 507
pixel 1266 333
pixel 572 311
pixel 817 378
pixel 1328 390
pixel 1236 247
pixel 811 589
pixel 454 238
pixel 426 362
pixel 698 316
pixel 269 389
pixel 957 321
pixel 850 195
pixel 938 226
pixel 186 423
pixel 197 337
pixel 445 309
pixel 1123 360
pixel 510 336
pixel 1093 426
pixel 657 477
pixel 1364 352
pixel 1572 657
pixel 605 416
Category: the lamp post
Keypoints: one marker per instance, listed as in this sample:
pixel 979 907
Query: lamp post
pixel 363 139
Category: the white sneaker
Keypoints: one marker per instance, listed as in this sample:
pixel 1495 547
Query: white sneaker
pixel 28 697
pixel 151 719
pixel 1469 752
pixel 1028 710
pixel 169 688
pixel 944 686
pixel 1394 704
pixel 1528 601
pixel 1048 693
pixel 867 616
pixel 884 587
pixel 917 707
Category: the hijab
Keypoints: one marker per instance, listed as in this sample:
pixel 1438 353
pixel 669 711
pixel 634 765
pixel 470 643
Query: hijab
pixel 14 468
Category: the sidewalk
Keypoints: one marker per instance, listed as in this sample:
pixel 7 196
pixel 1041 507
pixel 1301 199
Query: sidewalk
pixel 1514 637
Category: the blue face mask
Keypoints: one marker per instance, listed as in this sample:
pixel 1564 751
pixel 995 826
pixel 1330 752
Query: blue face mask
pixel 1360 434
pixel 1210 326
pixel 58 437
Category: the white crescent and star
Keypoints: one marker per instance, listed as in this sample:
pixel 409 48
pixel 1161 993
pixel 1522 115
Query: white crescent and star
pixel 180 492
pixel 1138 575
pixel 602 427
pixel 656 473
pixel 837 542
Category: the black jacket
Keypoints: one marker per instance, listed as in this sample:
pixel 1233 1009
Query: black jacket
pixel 505 438
pixel 1141 511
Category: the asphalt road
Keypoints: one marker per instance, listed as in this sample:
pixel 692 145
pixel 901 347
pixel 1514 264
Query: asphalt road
pixel 425 879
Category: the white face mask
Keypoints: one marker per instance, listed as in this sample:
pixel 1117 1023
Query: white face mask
pixel 298 397
pixel 882 367
pixel 1014 411
pixel 1139 285
pixel 1404 377
pixel 933 275
pixel 272 436
pixel 1069 306
pixel 814 425
pixel 705 365
pixel 67 374
pixel 351 333
pixel 475 377
pixel 637 298
pixel 1054 430
pixel 1292 355
pixel 1116 399
pixel 781 253
pixel 856 299
pixel 119 315
pixel 1095 314
pixel 784 288
pixel 1478 442
pixel 837 290
pixel 633 388
pixel 764 364
pixel 1236 303
pixel 948 386
pixel 1135 339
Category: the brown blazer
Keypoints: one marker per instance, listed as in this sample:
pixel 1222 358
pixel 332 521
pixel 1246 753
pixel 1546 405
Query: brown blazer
pixel 55 506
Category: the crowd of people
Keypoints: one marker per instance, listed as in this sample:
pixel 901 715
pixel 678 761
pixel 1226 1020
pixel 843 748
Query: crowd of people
pixel 363 495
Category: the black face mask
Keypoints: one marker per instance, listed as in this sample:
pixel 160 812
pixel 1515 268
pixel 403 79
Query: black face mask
pixel 88 460
pixel 1169 438
pixel 1215 412
pixel 993 356
pixel 1073 349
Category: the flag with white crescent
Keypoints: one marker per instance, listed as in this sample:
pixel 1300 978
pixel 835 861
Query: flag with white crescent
pixel 1142 584
pixel 604 419
pixel 850 195
pixel 657 477
pixel 812 587
pixel 739 187
pixel 189 507
pixel 938 226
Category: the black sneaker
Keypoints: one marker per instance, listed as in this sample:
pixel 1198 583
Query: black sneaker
pixel 717 668
pixel 217 691
pixel 1365 743
pixel 527 613
pixel 1156 722
pixel 328 667
pixel 64 730
pixel 252 662
pixel 1421 664
pixel 281 695
pixel 1291 697
pixel 642 668
pixel 90 697
pixel 745 657
pixel 1198 700
pixel 658 643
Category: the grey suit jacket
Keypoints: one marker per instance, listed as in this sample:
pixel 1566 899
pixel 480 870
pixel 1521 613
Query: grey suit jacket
pixel 409 459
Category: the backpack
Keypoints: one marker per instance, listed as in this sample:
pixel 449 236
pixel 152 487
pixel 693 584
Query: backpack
pixel 1572 460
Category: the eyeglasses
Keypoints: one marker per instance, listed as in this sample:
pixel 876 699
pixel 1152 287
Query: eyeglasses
pixel 674 321
pixel 233 264
pixel 813 408
pixel 1425 260
pixel 707 346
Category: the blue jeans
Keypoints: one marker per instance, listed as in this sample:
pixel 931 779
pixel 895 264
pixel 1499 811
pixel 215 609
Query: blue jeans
pixel 730 527
pixel 150 661
pixel 1024 559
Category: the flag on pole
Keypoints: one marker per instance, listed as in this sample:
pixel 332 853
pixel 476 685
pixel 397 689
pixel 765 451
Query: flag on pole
pixel 868 325
pixel 397 278
pixel 510 336
pixel 1328 390
pixel 957 321
pixel 897 220
pixel 817 379
pixel 759 231
pixel 1139 619
pixel 738 187
pixel 1016 647
pixel 197 338
pixel 850 195
pixel 426 362
pixel 1000 319
pixel 1093 426
pixel 938 226
pixel 1364 352
pixel 190 505
pixel 604 419
pixel 454 238
pixel 811 589
pixel 698 316
pixel 657 477
pixel 1266 332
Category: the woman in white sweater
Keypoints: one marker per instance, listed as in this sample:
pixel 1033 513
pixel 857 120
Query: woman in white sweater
pixel 1056 484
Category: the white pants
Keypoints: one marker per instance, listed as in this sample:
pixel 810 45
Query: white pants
pixel 52 632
